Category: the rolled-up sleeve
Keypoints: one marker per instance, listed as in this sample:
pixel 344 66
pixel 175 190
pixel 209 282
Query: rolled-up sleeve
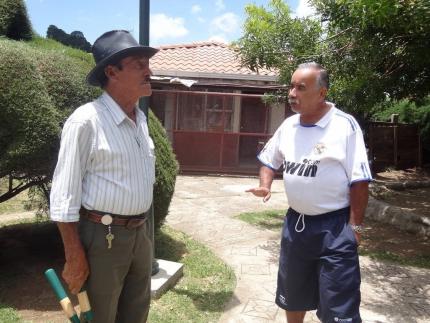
pixel 73 157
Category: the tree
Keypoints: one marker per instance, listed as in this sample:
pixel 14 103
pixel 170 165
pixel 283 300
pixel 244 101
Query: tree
pixel 372 49
pixel 275 40
pixel 56 33
pixel 76 39
pixel 39 89
pixel 14 22
pixel 377 49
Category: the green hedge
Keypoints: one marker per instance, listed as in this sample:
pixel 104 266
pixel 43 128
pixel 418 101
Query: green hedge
pixel 14 22
pixel 41 83
pixel 28 117
pixel 166 169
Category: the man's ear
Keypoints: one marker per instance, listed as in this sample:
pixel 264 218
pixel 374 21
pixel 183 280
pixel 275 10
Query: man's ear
pixel 323 92
pixel 110 71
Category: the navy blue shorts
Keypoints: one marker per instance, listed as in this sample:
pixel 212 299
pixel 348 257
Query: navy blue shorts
pixel 318 267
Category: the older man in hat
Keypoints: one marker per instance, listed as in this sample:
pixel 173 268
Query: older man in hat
pixel 103 185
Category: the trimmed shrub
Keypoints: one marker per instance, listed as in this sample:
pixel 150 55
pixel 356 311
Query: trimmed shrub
pixel 64 78
pixel 14 22
pixel 166 169
pixel 41 83
pixel 30 122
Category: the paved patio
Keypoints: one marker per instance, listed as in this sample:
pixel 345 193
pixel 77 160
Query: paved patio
pixel 204 208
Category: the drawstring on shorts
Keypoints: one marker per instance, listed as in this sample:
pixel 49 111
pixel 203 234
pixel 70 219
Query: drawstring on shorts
pixel 301 216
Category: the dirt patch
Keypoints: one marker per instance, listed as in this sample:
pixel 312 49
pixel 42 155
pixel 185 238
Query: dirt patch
pixel 412 174
pixel 385 239
pixel 26 251
pixel 416 200
pixel 413 200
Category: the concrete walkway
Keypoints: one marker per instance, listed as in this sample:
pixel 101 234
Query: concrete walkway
pixel 204 208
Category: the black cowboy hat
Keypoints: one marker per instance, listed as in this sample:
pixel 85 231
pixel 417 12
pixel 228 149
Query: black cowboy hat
pixel 113 46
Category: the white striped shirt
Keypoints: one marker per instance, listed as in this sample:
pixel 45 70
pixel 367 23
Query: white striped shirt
pixel 106 163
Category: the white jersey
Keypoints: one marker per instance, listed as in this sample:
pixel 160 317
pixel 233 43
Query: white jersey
pixel 320 161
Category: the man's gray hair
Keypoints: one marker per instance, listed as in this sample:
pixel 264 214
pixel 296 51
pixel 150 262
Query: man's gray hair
pixel 322 78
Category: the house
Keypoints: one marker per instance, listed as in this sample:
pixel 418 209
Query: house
pixel 212 107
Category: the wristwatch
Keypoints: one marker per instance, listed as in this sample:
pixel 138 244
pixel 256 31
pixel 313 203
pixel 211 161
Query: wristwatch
pixel 357 228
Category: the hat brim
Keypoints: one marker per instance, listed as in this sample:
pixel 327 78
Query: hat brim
pixel 94 75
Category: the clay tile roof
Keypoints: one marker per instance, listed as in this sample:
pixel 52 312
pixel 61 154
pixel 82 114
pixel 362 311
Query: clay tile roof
pixel 202 57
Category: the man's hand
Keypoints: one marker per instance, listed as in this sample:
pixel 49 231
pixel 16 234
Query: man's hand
pixel 266 178
pixel 76 271
pixel 261 192
pixel 357 238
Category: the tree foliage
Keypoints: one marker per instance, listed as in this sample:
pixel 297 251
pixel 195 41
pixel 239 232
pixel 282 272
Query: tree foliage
pixel 372 49
pixel 377 49
pixel 39 90
pixel 275 40
pixel 76 39
pixel 14 22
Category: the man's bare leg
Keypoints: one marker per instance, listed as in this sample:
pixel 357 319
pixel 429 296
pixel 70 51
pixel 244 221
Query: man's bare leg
pixel 295 316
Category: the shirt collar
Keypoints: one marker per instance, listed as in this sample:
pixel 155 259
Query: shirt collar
pixel 322 123
pixel 140 116
pixel 118 114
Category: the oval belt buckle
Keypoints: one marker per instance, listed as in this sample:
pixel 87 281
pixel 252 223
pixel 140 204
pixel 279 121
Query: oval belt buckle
pixel 106 219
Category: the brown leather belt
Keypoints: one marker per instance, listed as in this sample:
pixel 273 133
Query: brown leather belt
pixel 130 222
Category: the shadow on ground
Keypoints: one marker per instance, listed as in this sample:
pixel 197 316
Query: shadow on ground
pixel 26 251
pixel 406 291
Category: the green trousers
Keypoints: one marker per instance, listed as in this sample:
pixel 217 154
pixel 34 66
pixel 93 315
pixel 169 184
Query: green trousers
pixel 119 284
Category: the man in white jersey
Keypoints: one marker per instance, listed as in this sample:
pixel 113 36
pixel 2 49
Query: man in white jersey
pixel 326 175
pixel 103 185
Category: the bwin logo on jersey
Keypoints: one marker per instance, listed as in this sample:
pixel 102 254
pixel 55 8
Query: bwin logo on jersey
pixel 307 168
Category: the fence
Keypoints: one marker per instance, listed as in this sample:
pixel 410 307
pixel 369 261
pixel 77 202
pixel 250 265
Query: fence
pixel 393 144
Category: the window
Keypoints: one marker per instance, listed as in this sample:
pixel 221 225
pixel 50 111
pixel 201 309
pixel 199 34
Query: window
pixel 200 112
pixel 190 112
pixel 219 110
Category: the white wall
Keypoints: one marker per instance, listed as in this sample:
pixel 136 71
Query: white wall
pixel 276 116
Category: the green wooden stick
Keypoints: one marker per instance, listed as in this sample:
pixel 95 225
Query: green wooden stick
pixel 59 291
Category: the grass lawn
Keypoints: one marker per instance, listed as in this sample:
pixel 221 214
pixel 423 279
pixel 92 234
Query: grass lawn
pixel 8 315
pixel 206 286
pixel 17 204
pixel 272 219
pixel 377 240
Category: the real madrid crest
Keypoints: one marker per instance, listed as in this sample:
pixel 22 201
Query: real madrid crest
pixel 319 148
